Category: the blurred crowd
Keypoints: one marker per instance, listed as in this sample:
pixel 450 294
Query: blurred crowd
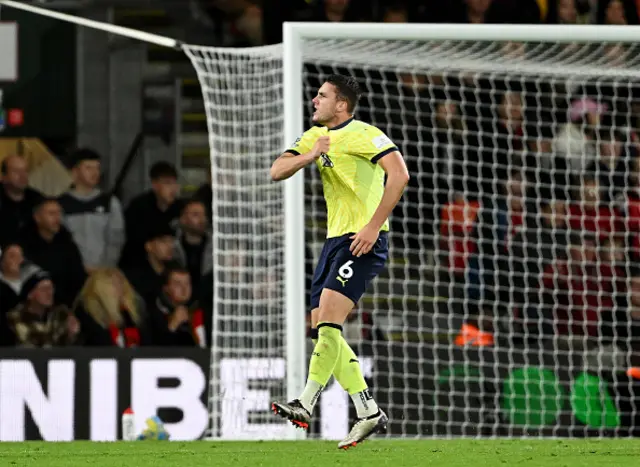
pixel 257 22
pixel 527 188
pixel 81 270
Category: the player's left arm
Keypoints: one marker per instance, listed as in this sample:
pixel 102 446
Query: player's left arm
pixel 397 178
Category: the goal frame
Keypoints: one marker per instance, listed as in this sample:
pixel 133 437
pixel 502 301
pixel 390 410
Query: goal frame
pixel 294 34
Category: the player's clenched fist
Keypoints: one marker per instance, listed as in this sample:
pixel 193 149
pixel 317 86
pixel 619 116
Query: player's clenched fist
pixel 321 146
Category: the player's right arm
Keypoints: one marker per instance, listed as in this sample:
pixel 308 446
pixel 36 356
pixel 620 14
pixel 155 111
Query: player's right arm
pixel 305 151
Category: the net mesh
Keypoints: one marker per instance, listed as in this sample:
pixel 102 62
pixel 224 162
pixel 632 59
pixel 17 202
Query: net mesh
pixel 509 306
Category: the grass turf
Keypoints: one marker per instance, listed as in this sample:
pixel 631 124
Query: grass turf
pixel 539 453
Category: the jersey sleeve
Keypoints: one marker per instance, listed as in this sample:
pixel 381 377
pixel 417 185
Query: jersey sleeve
pixel 375 144
pixel 304 143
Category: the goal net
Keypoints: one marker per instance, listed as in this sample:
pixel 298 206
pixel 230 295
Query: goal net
pixel 510 303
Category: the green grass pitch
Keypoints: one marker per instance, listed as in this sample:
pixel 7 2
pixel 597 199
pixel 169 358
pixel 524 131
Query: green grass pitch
pixel 428 453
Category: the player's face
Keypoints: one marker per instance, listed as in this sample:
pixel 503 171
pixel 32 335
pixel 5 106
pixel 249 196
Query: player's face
pixel 326 104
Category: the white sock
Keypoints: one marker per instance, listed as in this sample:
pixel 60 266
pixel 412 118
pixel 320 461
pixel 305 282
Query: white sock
pixel 365 405
pixel 310 395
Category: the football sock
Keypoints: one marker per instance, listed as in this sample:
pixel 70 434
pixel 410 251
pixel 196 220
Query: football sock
pixel 323 361
pixel 348 374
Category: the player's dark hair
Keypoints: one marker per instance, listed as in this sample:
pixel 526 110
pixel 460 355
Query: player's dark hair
pixel 347 89
pixel 162 170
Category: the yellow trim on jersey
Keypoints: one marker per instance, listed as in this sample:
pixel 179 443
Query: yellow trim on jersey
pixel 352 181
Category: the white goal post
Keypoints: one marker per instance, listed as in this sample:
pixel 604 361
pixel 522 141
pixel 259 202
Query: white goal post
pixel 481 76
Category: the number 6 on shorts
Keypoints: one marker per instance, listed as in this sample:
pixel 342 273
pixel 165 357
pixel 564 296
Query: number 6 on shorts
pixel 345 270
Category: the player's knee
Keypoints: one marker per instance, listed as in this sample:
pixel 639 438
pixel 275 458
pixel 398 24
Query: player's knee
pixel 334 307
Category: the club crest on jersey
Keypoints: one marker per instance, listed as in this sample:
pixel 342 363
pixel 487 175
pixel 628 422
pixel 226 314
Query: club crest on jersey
pixel 326 162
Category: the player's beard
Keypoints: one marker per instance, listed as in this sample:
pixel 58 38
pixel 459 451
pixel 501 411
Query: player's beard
pixel 321 118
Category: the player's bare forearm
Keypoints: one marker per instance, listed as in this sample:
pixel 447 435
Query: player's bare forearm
pixel 396 183
pixel 288 164
pixel 397 179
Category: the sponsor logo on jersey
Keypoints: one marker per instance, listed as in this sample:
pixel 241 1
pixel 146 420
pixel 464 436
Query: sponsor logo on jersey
pixel 326 161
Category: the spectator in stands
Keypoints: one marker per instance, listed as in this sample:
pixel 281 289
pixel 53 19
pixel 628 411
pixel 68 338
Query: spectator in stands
pixel 335 11
pixel 17 200
pixel 629 325
pixel 205 299
pixel 94 218
pixel 14 270
pixel 629 211
pixel 492 11
pixel 156 209
pixel 540 243
pixel 456 162
pixel 146 277
pixel 395 13
pixel 48 244
pixel 614 163
pixel 545 166
pixel 574 290
pixel 175 321
pixel 618 12
pixel 590 212
pixel 575 140
pixel 36 321
pixel 562 12
pixel 497 225
pixel 503 137
pixel 192 247
pixel 611 269
pixel 205 195
pixel 110 311
pixel 474 12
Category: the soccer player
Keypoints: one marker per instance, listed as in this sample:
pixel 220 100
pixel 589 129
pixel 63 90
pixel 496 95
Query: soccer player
pixel 353 158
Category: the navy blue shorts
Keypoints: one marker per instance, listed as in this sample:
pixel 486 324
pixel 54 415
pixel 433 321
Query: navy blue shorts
pixel 339 270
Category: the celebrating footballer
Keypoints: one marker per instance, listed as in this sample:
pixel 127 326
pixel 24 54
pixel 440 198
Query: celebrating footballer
pixel 353 158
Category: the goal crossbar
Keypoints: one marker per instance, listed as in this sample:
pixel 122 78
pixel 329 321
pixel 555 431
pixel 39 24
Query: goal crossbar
pixel 466 32
pixel 110 28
